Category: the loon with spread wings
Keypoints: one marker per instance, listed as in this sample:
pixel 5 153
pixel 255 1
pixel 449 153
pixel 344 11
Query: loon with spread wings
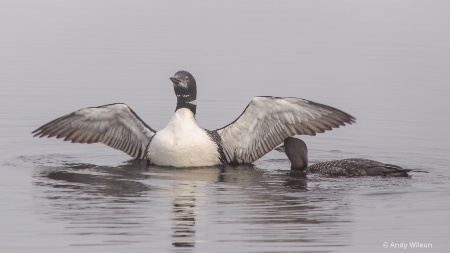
pixel 264 124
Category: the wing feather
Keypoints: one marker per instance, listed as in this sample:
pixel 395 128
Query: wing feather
pixel 267 121
pixel 115 125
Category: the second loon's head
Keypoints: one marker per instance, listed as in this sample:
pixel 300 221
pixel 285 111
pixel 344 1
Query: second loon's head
pixel 185 89
pixel 296 151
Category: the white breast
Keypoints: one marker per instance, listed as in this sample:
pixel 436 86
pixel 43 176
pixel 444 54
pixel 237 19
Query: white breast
pixel 182 143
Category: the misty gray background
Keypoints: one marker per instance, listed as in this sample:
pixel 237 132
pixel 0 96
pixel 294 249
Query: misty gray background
pixel 385 62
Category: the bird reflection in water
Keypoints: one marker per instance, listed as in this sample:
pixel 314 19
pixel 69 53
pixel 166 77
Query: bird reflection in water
pixel 138 205
pixel 184 215
pixel 296 180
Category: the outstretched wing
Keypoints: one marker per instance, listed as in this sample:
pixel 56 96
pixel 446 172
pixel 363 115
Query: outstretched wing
pixel 267 121
pixel 115 125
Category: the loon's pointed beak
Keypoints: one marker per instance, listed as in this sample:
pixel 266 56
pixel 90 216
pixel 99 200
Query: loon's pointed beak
pixel 175 80
pixel 280 148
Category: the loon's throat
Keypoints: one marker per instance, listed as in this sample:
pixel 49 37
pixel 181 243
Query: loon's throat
pixel 183 103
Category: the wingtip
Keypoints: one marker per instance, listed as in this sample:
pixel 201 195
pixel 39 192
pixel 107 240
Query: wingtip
pixel 349 121
pixel 37 133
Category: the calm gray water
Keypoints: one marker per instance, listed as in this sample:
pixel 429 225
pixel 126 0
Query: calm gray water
pixel 385 62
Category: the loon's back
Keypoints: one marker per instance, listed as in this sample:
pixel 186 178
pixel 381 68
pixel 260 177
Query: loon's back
pixel 354 167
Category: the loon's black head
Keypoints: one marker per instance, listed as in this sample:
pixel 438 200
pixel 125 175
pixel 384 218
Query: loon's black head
pixel 297 152
pixel 185 89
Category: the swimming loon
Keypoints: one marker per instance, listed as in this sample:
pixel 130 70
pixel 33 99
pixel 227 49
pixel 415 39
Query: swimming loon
pixel 264 124
pixel 297 152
